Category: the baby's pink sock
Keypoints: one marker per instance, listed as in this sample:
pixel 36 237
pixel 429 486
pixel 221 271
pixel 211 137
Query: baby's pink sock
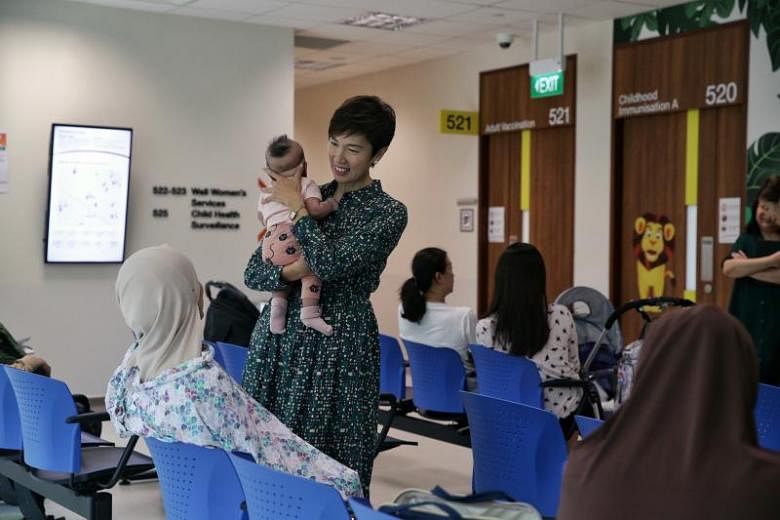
pixel 311 317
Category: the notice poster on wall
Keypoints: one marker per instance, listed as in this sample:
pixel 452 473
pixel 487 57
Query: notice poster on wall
pixel 496 234
pixel 728 219
pixel 3 162
pixel 89 174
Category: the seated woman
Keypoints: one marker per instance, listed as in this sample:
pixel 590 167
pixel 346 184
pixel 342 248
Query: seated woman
pixel 521 323
pixel 684 444
pixel 423 317
pixel 13 354
pixel 169 387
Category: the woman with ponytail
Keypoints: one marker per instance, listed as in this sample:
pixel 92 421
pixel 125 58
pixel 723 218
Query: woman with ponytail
pixel 424 317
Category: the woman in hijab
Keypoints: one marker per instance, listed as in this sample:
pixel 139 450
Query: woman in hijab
pixel 684 445
pixel 169 387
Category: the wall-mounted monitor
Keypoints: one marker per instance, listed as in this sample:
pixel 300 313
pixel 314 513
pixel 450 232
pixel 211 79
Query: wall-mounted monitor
pixel 89 180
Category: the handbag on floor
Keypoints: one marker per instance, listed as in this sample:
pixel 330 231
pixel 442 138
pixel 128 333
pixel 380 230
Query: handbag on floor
pixel 417 504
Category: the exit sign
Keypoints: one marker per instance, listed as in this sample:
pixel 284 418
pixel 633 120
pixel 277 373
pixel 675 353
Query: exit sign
pixel 547 85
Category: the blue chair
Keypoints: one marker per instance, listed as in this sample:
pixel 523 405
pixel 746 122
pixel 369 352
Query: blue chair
pixel 767 415
pixel 10 435
pixel 197 483
pixel 512 378
pixel 11 427
pixel 272 495
pixel 392 371
pixel 364 512
pixel 61 468
pixel 517 449
pixel 587 425
pixel 232 358
pixel 437 378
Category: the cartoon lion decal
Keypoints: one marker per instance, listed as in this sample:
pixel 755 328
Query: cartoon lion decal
pixel 653 247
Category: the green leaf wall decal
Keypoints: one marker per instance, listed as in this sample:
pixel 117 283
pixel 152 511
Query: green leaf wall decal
pixel 763 161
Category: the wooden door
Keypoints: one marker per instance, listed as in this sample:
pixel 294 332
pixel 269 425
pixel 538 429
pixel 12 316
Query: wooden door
pixel 679 149
pixel 652 217
pixel 552 204
pixel 531 139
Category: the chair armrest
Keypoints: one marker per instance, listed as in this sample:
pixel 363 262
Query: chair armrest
pixel 88 417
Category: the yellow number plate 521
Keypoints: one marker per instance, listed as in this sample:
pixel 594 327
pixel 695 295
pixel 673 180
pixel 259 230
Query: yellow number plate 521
pixel 455 122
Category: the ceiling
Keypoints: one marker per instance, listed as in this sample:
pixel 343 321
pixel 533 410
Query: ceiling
pixel 451 26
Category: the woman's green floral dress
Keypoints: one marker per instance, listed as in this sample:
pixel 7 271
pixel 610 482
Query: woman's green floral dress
pixel 326 389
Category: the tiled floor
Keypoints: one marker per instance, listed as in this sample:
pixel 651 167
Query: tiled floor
pixel 424 466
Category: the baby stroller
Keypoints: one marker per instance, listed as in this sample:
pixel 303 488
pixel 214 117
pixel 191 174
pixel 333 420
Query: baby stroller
pixel 620 374
pixel 590 310
pixel 629 356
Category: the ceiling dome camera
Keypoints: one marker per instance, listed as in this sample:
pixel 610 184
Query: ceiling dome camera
pixel 505 40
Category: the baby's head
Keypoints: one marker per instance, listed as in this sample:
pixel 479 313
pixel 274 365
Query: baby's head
pixel 283 155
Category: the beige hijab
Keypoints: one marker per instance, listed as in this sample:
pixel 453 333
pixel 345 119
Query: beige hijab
pixel 158 293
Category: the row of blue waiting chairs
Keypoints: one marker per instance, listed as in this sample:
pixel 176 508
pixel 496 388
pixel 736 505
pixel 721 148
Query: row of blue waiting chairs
pixel 438 375
pixel 44 454
pixel 766 415
pixel 200 483
pixel 517 446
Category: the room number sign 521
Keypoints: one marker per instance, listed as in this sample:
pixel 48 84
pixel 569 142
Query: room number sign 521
pixel 457 122
pixel 559 116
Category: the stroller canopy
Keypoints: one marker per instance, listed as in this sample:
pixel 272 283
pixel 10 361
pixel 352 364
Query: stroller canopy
pixel 590 310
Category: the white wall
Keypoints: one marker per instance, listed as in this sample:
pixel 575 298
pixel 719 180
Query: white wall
pixel 429 171
pixel 203 97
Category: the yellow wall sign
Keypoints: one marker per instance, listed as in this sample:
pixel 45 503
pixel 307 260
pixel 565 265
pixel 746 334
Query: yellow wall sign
pixel 455 122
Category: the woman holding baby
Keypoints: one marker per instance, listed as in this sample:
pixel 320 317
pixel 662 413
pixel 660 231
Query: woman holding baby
pixel 321 378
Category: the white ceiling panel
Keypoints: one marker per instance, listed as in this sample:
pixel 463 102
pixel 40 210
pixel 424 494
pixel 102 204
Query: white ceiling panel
pixel 319 13
pixel 548 6
pixel 418 8
pixel 608 9
pixel 495 16
pixel 216 14
pixel 449 28
pixel 155 7
pixel 244 6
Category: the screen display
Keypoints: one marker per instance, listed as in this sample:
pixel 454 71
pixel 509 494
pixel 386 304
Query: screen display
pixel 89 178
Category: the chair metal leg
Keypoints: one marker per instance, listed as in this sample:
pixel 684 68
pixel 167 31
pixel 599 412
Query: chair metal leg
pixel 101 507
pixel 30 504
pixel 7 491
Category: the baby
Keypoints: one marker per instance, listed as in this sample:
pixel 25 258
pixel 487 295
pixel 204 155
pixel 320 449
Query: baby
pixel 280 247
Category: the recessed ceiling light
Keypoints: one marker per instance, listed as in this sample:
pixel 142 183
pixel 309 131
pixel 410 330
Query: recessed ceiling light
pixel 385 21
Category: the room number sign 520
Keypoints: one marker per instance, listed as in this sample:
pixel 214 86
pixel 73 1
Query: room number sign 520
pixel 720 93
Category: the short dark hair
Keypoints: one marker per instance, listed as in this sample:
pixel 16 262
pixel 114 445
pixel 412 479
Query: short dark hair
pixel 425 264
pixel 365 115
pixel 520 300
pixel 770 192
pixel 279 146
